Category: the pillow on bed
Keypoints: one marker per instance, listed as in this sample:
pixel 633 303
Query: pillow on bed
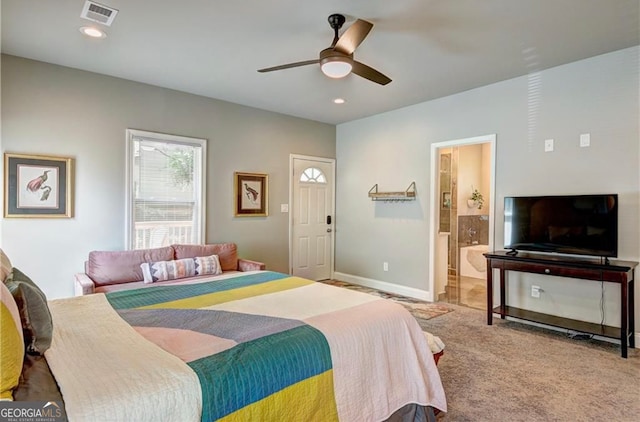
pixel 208 265
pixel 37 383
pixel 5 265
pixel 34 312
pixel 11 344
pixel 168 270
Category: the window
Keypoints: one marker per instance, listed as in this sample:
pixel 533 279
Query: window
pixel 313 175
pixel 165 190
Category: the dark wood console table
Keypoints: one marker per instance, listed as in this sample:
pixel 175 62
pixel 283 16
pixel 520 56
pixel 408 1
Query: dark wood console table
pixel 615 271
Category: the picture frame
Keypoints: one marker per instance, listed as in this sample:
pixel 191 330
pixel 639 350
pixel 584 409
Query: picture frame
pixel 251 194
pixel 38 186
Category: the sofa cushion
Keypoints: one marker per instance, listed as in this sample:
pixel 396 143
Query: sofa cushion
pixel 108 288
pixel 114 267
pixel 168 270
pixel 208 265
pixel 37 326
pixel 227 253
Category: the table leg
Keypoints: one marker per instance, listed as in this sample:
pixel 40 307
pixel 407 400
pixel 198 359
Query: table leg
pixel 624 317
pixel 503 301
pixel 632 312
pixel 489 293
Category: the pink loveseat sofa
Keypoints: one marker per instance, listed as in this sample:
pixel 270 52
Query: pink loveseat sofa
pixel 108 271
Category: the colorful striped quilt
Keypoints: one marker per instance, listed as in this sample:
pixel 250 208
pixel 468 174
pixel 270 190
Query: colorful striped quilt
pixel 269 346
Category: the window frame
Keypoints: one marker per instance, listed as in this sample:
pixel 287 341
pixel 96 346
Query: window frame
pixel 131 135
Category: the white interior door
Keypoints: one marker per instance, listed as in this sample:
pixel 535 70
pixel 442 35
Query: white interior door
pixel 312 217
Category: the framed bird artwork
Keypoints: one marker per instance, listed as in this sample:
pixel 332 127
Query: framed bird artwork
pixel 251 194
pixel 38 186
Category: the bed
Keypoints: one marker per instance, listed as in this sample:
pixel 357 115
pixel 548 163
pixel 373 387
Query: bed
pixel 251 346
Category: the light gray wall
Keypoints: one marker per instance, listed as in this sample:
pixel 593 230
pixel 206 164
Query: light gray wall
pixel 48 109
pixel 598 96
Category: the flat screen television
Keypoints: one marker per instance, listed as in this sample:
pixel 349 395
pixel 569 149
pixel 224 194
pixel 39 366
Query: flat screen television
pixel 569 224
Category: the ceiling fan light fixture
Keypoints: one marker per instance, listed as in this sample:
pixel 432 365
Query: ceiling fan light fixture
pixel 337 61
pixel 336 67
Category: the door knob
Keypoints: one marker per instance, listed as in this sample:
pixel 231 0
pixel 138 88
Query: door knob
pixel 328 230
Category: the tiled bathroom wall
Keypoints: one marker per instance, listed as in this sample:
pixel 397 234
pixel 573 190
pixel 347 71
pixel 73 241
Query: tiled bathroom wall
pixel 473 230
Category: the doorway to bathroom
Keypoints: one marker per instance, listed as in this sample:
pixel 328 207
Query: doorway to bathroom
pixel 462 211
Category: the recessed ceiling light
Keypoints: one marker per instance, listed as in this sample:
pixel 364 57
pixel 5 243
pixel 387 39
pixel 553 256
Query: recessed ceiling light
pixel 339 100
pixel 92 32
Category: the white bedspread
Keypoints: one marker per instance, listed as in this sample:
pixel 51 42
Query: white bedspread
pixel 380 354
pixel 164 354
pixel 120 377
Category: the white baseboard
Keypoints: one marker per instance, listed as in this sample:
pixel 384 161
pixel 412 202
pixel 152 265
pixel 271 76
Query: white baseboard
pixel 384 286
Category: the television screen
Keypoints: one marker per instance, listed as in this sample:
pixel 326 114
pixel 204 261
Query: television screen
pixel 570 224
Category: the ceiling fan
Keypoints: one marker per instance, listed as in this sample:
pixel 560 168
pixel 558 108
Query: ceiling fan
pixel 337 61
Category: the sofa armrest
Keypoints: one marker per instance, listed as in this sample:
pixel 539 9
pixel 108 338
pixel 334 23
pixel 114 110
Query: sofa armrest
pixel 248 265
pixel 83 285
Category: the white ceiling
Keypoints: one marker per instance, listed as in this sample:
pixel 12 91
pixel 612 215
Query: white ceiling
pixel 430 48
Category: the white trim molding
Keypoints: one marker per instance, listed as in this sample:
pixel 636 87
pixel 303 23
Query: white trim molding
pixel 434 197
pixel 411 292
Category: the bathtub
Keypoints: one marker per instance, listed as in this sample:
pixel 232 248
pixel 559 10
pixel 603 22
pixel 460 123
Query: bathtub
pixel 472 262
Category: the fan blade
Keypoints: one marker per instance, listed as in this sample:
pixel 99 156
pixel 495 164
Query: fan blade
pixel 370 73
pixel 353 37
pixel 288 66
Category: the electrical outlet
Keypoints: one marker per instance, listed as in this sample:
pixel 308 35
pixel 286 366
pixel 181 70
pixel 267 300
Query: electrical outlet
pixel 535 291
pixel 385 266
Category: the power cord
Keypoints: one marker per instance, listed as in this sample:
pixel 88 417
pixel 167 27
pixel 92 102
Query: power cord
pixel 577 335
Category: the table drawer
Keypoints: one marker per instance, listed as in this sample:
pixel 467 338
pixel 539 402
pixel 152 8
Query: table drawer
pixel 585 273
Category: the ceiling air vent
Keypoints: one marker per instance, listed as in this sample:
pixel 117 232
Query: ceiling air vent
pixel 97 12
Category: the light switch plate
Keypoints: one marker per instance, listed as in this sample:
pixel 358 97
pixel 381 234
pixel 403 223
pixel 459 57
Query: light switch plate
pixel 585 140
pixel 284 207
pixel 548 145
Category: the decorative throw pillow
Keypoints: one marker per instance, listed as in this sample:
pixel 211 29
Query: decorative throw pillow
pixel 227 253
pixel 208 265
pixel 37 383
pixel 11 344
pixel 5 266
pixel 34 312
pixel 167 270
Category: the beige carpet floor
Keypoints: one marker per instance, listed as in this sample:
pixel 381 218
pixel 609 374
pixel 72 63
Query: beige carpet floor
pixel 515 372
